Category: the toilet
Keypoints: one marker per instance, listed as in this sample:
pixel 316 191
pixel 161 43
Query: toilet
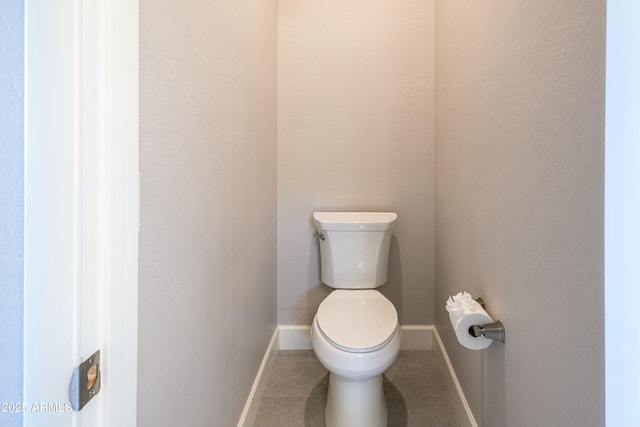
pixel 355 333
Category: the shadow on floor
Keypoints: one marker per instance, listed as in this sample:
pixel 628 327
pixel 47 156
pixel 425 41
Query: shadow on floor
pixel 396 406
pixel 314 407
pixel 296 393
pixel 315 404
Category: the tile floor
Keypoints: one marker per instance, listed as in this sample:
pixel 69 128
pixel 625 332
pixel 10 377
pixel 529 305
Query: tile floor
pixel 297 389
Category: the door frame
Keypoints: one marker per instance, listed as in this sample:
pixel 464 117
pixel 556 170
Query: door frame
pixel 622 214
pixel 122 33
pixel 81 213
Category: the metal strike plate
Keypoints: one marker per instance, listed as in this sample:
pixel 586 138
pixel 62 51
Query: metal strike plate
pixel 85 382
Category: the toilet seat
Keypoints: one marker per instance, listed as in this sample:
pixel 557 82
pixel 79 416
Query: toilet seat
pixel 358 320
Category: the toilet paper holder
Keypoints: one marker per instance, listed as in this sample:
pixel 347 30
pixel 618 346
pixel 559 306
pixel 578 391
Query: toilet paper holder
pixel 493 331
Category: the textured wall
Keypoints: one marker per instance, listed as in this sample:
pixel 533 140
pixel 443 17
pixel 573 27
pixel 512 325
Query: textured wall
pixel 355 132
pixel 11 204
pixel 207 296
pixel 519 203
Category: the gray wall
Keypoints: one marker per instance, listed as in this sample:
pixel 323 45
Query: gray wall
pixel 355 132
pixel 519 203
pixel 207 288
pixel 11 204
pixel 519 113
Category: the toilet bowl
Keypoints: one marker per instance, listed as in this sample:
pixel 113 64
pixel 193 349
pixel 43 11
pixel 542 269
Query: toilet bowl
pixel 356 355
pixel 355 333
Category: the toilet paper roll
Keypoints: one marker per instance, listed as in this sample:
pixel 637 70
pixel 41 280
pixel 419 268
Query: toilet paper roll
pixel 465 317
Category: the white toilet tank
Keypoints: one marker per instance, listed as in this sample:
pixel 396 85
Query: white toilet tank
pixel 354 247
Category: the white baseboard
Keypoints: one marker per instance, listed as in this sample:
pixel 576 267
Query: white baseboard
pixel 414 337
pixel 295 337
pixel 458 399
pixel 257 390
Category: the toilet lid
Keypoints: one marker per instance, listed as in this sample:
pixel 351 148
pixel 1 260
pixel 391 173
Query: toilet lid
pixel 357 320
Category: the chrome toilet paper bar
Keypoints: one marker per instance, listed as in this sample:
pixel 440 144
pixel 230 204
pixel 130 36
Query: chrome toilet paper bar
pixel 493 331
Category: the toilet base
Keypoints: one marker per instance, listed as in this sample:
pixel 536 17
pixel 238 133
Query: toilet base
pixel 355 403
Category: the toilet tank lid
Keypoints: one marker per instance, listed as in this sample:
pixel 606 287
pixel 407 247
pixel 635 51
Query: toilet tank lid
pixel 354 221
